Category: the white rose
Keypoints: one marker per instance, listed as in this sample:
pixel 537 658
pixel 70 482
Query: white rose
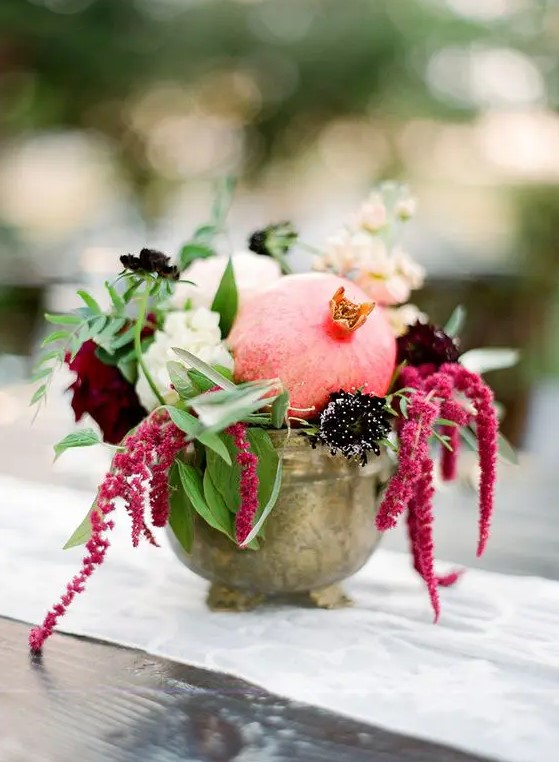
pixel 253 273
pixel 194 330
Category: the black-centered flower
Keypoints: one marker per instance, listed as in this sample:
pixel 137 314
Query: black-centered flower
pixel 274 240
pixel 353 424
pixel 426 343
pixel 151 261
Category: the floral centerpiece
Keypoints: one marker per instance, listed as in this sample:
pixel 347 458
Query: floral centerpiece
pixel 244 403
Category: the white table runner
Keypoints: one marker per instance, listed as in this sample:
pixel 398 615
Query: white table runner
pixel 485 679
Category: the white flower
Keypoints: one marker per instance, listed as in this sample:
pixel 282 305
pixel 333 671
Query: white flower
pixel 409 268
pixel 345 252
pixel 194 330
pixel 405 208
pixel 402 317
pixel 253 273
pixel 389 277
pixel 372 215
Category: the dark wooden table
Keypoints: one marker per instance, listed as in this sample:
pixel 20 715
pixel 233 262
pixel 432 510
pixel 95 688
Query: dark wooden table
pixel 89 701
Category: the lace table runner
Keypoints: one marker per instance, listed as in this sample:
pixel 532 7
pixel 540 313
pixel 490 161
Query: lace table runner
pixel 485 679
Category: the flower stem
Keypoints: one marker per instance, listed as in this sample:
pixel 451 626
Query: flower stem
pixel 140 320
pixel 309 247
pixel 278 255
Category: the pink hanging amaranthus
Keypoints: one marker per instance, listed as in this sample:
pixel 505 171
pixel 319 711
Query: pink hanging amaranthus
pixel 248 486
pixel 140 470
pixel 434 397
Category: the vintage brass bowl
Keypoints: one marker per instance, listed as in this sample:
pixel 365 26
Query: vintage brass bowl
pixel 320 532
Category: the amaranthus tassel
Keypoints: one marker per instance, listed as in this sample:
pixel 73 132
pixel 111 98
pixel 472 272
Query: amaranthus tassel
pixel 153 446
pixel 248 486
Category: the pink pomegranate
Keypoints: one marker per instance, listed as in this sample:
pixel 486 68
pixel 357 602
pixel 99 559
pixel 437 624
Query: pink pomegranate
pixel 318 334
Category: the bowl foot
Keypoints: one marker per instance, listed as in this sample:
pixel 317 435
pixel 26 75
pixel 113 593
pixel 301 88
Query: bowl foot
pixel 223 598
pixel 331 597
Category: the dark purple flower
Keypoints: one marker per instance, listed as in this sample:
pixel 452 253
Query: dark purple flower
pixel 273 240
pixel 151 261
pixel 425 343
pixel 353 424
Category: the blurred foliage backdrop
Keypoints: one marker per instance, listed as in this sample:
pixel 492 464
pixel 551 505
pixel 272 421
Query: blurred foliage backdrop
pixel 117 114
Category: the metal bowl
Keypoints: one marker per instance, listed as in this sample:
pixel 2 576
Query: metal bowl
pixel 321 530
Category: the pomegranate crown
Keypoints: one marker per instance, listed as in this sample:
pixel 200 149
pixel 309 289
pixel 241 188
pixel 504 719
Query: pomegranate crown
pixel 346 313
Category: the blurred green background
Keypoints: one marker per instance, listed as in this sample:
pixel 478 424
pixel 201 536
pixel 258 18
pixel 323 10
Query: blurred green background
pixel 116 116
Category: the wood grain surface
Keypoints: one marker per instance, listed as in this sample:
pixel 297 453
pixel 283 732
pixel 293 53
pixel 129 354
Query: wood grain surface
pixel 88 701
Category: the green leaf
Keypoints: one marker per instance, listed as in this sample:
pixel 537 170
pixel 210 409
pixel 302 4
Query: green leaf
pixel 506 451
pixel 90 302
pixel 84 333
pixel 130 353
pixel 404 406
pixel 63 319
pixel 203 384
pixel 445 422
pixel 192 251
pixel 469 438
pixel 223 200
pixel 193 486
pixel 218 410
pixel 268 460
pixel 41 373
pixel 215 442
pixel 210 373
pixel 181 517
pixel 489 358
pixel 81 438
pixel 280 406
pixel 227 478
pixel 199 381
pixel 217 504
pixel 455 322
pixel 124 338
pixel 444 440
pixel 39 394
pixel 226 300
pixel 267 508
pixel 105 337
pixel 388 443
pixel 180 379
pixel 75 346
pixel 205 233
pixel 116 299
pixel 55 354
pixel 191 426
pixel 258 419
pixel 397 370
pixel 135 283
pixel 55 336
pixel 129 370
pixel 82 534
pixel 184 421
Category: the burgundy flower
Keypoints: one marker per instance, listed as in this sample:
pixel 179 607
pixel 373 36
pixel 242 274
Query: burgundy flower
pixel 424 343
pixel 102 391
